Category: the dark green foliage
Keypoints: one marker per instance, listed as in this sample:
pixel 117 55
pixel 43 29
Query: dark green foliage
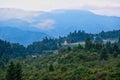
pixel 45 44
pixel 104 55
pixel 110 34
pixel 10 50
pixel 63 68
pixel 88 44
pixel 51 68
pixel 78 63
pixel 80 73
pixel 11 72
pixel 118 65
pixel 77 36
pixel 18 71
pixel 74 65
pixel 14 72
pixel 116 50
pixel 5 50
pixel 80 46
pixel 98 46
pixel 93 61
pixel 17 50
pixel 14 50
pixel 109 47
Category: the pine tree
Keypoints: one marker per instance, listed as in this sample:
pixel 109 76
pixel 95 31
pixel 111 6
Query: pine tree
pixel 115 50
pixel 18 70
pixel 11 72
pixel 98 46
pixel 14 72
pixel 103 55
pixel 80 46
pixel 88 44
pixel 51 68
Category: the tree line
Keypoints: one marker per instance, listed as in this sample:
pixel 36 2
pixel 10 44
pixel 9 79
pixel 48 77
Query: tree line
pixel 105 50
pixel 13 50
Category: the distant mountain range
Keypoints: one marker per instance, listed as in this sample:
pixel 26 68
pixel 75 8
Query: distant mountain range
pixel 20 36
pixel 66 21
pixel 35 25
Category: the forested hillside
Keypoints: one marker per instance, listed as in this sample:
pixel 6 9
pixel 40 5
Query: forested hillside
pixel 94 61
pixel 110 34
pixel 49 59
pixel 13 50
pixel 10 50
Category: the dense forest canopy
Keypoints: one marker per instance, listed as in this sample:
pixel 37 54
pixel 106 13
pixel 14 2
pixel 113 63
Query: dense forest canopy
pixel 13 50
pixel 95 60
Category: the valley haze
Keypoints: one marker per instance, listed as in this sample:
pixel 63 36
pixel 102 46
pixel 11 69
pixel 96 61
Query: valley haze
pixel 51 23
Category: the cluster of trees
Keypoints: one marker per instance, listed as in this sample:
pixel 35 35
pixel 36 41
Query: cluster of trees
pixel 40 46
pixel 13 50
pixel 14 71
pixel 68 55
pixel 93 61
pixel 54 44
pixel 104 48
pixel 110 34
pixel 10 50
pixel 77 36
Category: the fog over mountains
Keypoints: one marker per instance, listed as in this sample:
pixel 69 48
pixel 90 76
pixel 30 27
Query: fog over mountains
pixel 55 23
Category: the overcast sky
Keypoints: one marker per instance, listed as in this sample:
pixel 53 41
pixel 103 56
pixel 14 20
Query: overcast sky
pixel 105 7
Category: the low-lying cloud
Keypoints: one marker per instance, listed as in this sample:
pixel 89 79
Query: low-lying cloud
pixel 98 6
pixel 9 13
pixel 47 24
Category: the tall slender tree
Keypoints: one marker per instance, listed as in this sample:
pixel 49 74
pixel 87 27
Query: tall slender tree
pixel 103 55
pixel 51 68
pixel 18 71
pixel 88 44
pixel 11 72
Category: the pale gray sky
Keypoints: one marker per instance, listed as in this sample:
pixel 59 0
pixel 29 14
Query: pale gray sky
pixel 105 7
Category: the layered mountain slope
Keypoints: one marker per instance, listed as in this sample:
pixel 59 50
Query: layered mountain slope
pixel 20 36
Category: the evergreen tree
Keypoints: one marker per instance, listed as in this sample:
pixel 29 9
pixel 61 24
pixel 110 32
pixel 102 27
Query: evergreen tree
pixel 98 46
pixel 88 44
pixel 51 68
pixel 80 46
pixel 14 72
pixel 103 55
pixel 18 71
pixel 11 72
pixel 115 54
pixel 109 48
pixel 116 50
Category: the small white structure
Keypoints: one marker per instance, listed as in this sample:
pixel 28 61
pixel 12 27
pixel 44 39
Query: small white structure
pixel 65 43
pixel 34 56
